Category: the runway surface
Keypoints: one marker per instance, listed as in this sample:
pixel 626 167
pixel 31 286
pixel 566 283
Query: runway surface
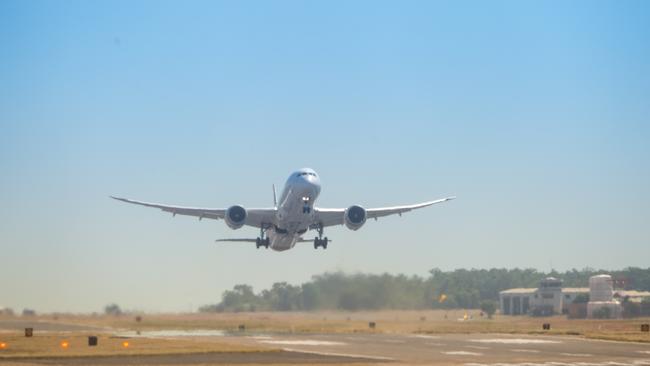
pixel 370 348
pixel 465 349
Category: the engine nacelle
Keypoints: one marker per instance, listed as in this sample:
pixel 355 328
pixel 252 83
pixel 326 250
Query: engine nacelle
pixel 235 216
pixel 354 217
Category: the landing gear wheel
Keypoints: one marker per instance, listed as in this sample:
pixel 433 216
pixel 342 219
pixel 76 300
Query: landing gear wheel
pixel 318 242
pixel 258 242
pixel 267 242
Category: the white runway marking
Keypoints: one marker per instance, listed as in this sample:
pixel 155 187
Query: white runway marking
pixel 462 353
pixel 261 337
pixel 514 341
pixel 305 342
pixel 646 352
pixel 425 336
pixel 478 347
pixel 577 354
pixel 351 355
pixel 172 333
pixel 525 350
pixel 436 344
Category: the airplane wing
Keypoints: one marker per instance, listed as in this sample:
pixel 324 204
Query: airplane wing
pixel 334 216
pixel 255 217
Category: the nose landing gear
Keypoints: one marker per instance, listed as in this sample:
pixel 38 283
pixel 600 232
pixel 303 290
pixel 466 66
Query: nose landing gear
pixel 306 209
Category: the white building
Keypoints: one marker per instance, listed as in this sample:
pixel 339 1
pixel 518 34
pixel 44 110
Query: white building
pixel 547 299
pixel 550 298
pixel 601 298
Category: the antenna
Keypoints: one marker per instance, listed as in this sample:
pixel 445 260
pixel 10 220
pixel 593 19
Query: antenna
pixel 275 198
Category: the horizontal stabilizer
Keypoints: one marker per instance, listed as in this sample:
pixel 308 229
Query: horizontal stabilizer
pixel 237 240
pixel 243 240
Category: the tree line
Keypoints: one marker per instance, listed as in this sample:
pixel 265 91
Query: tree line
pixel 460 288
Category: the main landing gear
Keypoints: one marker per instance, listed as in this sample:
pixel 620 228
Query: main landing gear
pixel 259 242
pixel 320 241
pixel 262 240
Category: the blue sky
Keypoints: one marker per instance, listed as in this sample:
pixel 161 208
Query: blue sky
pixel 535 114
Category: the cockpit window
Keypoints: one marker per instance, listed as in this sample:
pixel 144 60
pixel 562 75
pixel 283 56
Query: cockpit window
pixel 305 173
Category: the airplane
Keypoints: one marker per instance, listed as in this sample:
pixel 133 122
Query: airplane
pixel 284 224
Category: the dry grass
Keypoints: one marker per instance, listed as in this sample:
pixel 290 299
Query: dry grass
pixel 49 345
pixel 430 321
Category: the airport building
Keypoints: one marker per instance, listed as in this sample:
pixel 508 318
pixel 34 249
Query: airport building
pixel 547 299
pixel 551 298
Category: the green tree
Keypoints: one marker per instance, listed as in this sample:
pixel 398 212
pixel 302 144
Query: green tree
pixel 489 307
pixel 112 309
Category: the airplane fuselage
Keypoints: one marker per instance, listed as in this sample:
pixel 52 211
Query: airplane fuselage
pixel 295 209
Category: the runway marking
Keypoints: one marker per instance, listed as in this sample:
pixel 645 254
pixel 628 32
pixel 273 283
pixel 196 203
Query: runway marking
pixel 172 333
pixel 425 336
pixel 478 347
pixel 525 350
pixel 514 341
pixel 577 354
pixel 462 353
pixel 350 355
pixel 646 352
pixel 261 337
pixel 304 342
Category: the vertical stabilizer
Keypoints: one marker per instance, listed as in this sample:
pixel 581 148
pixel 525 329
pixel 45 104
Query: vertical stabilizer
pixel 275 197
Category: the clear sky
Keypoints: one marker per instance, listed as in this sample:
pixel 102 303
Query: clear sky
pixel 535 114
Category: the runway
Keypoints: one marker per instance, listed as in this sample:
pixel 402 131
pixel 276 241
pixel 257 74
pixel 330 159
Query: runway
pixel 366 348
pixel 465 349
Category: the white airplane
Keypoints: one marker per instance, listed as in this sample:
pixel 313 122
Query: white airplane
pixel 283 225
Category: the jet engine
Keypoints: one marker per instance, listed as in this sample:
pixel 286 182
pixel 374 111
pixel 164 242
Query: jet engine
pixel 355 217
pixel 235 217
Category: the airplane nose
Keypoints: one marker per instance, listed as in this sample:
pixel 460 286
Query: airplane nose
pixel 311 184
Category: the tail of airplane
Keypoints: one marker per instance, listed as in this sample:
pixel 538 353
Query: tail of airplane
pixel 275 198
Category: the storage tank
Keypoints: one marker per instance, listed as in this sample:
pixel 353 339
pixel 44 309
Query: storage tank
pixel 601 288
